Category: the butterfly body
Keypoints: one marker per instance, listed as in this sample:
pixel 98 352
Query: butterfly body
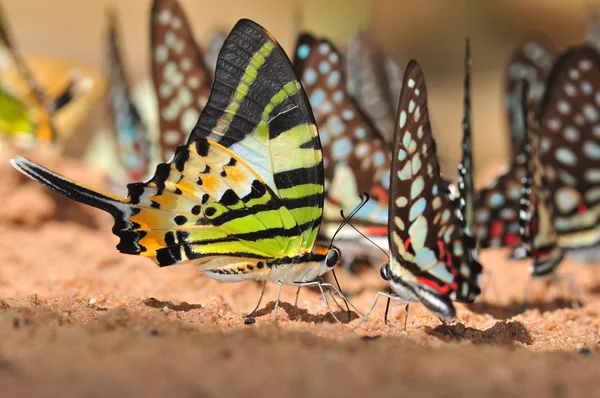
pixel 291 270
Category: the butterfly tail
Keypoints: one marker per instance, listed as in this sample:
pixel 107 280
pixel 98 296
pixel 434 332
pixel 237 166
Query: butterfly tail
pixel 114 205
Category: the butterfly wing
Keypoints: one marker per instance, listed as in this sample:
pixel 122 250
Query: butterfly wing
pixel 465 168
pixel 496 217
pixel 131 133
pixel 235 190
pixel 431 252
pixel 538 234
pixel 181 79
pixel 569 118
pixel 369 76
pixel 355 155
pixel 530 62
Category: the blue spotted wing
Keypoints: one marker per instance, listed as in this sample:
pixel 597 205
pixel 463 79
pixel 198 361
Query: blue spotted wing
pixel 356 158
pixel 569 119
pixel 131 133
pixel 432 255
pixel 181 78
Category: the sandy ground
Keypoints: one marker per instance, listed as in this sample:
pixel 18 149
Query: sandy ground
pixel 83 320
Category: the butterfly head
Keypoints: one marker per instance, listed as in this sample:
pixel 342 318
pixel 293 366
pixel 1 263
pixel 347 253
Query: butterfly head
pixel 385 271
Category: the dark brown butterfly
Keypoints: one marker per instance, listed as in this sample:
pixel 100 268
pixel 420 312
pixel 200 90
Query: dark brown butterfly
pixel 181 79
pixel 356 157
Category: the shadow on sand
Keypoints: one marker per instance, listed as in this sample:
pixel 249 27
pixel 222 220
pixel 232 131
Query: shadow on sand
pixel 300 314
pixel 502 333
pixel 183 306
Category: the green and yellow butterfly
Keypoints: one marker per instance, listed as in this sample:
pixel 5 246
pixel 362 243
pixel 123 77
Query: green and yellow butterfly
pixel 243 199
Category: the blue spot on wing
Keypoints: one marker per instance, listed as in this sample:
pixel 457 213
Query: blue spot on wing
pixel 317 98
pixel 341 148
pixel 303 51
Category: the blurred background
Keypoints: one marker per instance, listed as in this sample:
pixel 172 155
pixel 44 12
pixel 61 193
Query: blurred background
pixel 431 31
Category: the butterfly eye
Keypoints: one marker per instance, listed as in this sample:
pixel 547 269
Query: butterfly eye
pixel 333 258
pixel 385 271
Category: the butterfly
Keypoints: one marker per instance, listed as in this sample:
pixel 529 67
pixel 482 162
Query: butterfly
pixel 181 78
pixel 25 115
pixel 374 81
pixel 21 116
pixel 569 120
pixel 356 157
pixel 232 200
pixel 433 257
pixel 496 218
pixel 536 215
pixel 131 133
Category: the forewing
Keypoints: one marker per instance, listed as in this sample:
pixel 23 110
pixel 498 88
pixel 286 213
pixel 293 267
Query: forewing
pixel 258 110
pixel 427 239
pixel 181 79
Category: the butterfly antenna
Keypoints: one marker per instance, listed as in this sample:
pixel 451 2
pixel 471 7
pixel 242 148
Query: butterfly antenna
pixel 347 220
pixel 364 198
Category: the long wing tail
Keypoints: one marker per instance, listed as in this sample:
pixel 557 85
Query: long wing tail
pixel 112 204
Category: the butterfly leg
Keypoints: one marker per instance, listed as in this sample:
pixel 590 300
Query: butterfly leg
pixel 280 284
pixel 573 291
pixel 320 286
pixel 405 314
pixel 380 294
pixel 297 294
pixel 335 289
pixel 262 293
